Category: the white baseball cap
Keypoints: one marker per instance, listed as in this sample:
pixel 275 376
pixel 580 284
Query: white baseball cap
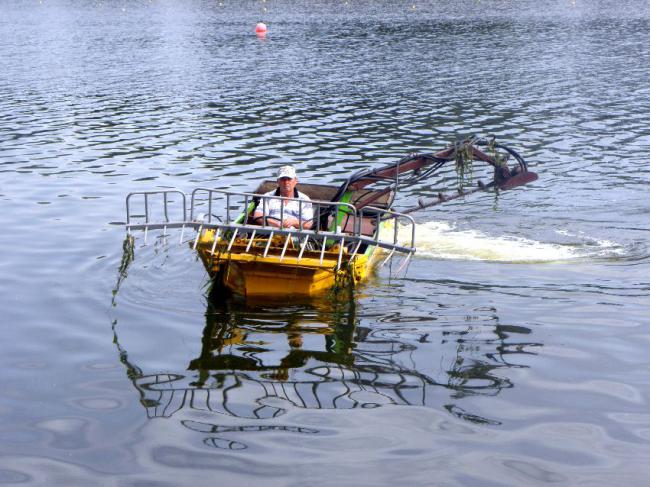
pixel 287 172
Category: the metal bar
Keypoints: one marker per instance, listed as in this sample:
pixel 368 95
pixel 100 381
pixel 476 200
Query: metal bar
pixel 192 202
pixel 302 247
pixel 268 244
pixel 356 249
pixel 315 210
pixel 395 229
pixel 232 240
pixel 412 233
pixel 338 264
pixel 182 233
pixel 198 235
pixel 265 230
pixel 387 246
pixel 232 226
pixel 216 238
pixel 377 228
pixel 390 256
pixel 403 265
pixel 209 208
pixel 213 248
pixel 322 251
pixel 227 208
pixel 146 208
pixel 128 209
pixel 145 234
pixel 264 211
pixel 245 209
pixel 165 206
pixel 358 223
pixel 284 249
pixel 159 226
pixel 250 241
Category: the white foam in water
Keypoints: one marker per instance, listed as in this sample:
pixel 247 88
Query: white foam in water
pixel 440 240
pixel 609 246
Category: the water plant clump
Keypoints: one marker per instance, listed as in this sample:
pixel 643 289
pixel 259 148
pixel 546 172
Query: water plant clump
pixel 464 155
pixel 463 158
pixel 499 158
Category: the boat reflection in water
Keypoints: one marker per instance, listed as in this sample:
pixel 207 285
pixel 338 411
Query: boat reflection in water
pixel 258 361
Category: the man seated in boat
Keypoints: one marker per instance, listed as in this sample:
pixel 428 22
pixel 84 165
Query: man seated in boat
pixel 293 212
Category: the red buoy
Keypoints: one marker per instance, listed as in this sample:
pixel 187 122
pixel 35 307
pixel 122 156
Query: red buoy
pixel 260 28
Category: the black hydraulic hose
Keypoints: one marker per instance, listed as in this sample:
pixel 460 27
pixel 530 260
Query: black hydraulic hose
pixel 520 160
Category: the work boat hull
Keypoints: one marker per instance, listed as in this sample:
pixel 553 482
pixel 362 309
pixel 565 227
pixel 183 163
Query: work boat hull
pixel 284 272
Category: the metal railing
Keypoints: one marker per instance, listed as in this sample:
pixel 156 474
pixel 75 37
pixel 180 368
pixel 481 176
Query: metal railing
pixel 247 202
pixel 326 386
pixel 147 196
pixel 381 214
pixel 227 213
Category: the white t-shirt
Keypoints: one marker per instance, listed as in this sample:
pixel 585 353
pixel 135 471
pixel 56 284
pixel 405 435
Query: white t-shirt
pixel 292 208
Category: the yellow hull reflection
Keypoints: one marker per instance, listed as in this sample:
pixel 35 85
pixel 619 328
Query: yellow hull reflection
pixel 283 272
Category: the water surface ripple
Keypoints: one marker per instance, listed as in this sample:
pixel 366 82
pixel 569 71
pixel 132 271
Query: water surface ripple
pixel 514 352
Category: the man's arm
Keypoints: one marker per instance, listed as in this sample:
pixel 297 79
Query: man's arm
pixel 263 217
pixel 260 219
pixel 307 215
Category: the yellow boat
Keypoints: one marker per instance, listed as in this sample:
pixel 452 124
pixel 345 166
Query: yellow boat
pixel 251 274
pixel 345 241
pixel 256 261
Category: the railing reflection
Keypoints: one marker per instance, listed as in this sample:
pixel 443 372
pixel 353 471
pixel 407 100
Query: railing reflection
pixel 258 363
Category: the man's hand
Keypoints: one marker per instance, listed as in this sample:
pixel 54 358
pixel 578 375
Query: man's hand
pixel 290 222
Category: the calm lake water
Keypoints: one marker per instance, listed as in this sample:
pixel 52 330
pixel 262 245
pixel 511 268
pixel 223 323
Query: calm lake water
pixel 515 350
